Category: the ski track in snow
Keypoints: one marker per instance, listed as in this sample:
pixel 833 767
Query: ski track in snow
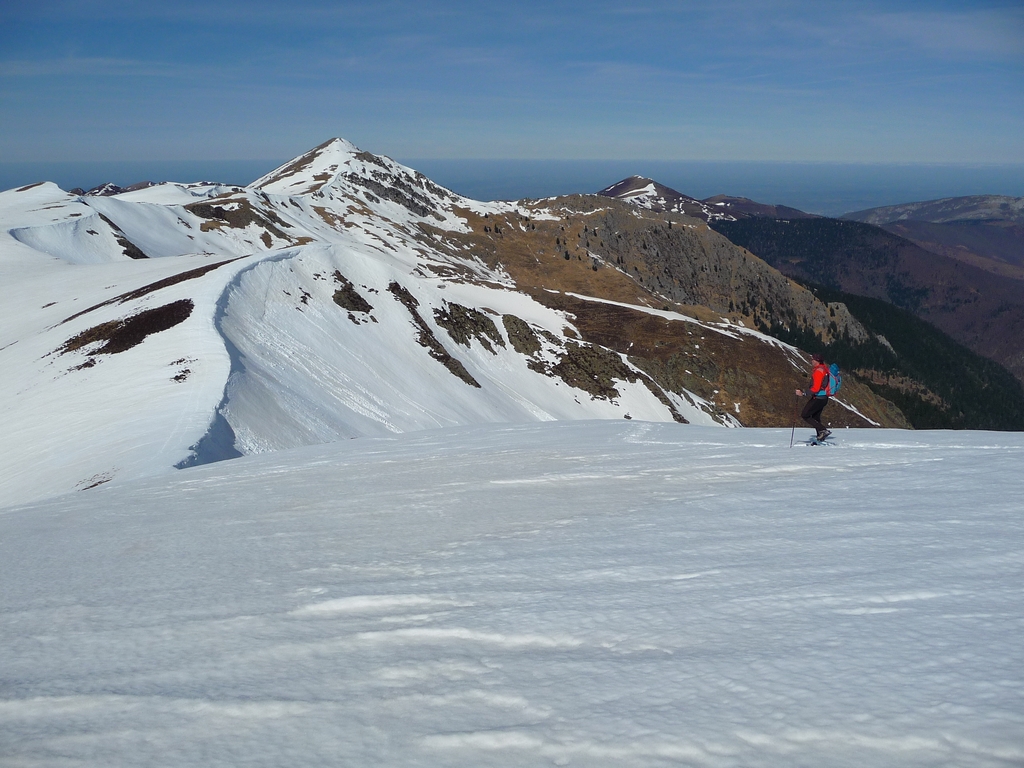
pixel 567 593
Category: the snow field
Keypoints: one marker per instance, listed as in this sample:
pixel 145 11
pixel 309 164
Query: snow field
pixel 124 416
pixel 568 593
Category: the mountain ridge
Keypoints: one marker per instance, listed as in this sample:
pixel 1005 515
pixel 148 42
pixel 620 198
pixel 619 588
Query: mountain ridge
pixel 655 196
pixel 946 210
pixel 985 231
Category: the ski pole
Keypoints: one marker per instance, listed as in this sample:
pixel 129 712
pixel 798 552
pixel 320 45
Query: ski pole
pixel 796 411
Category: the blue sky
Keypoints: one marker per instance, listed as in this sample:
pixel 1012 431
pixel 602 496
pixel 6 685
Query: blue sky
pixel 778 80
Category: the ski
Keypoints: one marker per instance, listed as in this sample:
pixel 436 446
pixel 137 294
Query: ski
pixel 816 441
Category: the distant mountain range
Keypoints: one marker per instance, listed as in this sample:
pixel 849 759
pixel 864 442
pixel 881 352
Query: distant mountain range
pixel 985 231
pixel 109 189
pixel 957 263
pixel 978 308
pixel 983 209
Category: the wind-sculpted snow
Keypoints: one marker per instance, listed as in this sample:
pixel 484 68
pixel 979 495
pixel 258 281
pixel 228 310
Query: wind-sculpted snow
pixel 588 593
pixel 88 239
pixel 107 374
pixel 307 371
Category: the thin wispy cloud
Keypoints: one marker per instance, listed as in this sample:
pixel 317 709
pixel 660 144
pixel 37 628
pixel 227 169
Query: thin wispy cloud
pixel 861 81
pixel 984 34
pixel 88 67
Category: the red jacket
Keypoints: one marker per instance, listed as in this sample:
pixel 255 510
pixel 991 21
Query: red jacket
pixel 819 381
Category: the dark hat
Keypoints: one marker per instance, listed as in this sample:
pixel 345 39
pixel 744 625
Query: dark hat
pixel 816 357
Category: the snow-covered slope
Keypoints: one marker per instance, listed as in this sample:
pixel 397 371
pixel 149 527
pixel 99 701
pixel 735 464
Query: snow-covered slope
pixel 308 371
pixel 589 593
pixel 184 323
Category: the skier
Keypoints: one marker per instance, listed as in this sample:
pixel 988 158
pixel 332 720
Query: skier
pixel 818 391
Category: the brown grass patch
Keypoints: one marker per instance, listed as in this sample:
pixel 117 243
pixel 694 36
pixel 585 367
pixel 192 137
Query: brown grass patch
pixel 121 335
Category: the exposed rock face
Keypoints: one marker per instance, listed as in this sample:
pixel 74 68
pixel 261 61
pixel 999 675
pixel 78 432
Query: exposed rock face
pixel 608 249
pixel 129 248
pixel 428 340
pixel 616 251
pixel 465 324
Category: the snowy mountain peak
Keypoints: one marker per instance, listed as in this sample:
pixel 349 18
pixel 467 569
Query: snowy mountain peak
pixel 338 170
pixel 105 190
pixel 310 171
pixel 649 194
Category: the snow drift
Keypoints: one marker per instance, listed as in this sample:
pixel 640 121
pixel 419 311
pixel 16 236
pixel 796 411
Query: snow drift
pixel 573 593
